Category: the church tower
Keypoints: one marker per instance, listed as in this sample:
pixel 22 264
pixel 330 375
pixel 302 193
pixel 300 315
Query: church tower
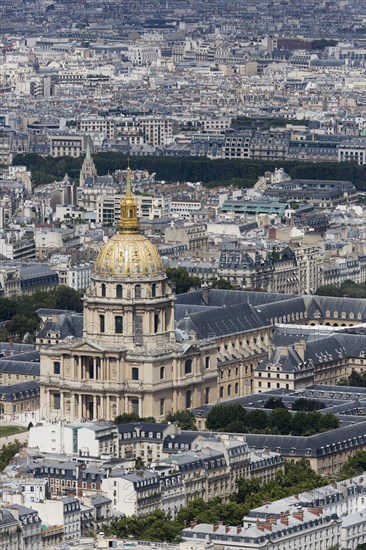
pixel 88 167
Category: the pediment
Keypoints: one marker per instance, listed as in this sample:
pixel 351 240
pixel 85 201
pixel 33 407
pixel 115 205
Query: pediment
pixel 87 346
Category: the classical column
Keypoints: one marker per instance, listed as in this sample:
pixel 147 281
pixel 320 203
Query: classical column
pixel 95 412
pixel 80 403
pixel 47 409
pixel 140 407
pixel 126 404
pixel 62 404
pixel 108 411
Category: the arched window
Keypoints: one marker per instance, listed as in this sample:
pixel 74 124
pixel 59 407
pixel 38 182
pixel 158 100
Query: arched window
pixel 153 290
pixel 237 388
pixel 118 324
pixel 138 291
pixel 222 391
pixel 188 399
pixel 188 366
pixel 103 290
pixel 119 291
pixel 229 390
pixel 207 362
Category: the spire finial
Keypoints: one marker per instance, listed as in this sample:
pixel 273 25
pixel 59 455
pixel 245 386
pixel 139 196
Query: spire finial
pixel 128 179
pixel 128 221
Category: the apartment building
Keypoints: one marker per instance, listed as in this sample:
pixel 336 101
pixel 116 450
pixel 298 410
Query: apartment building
pixel 352 151
pixel 193 236
pixel 17 247
pixel 158 131
pixel 135 493
pixel 102 125
pixel 330 516
pixel 184 208
pixel 66 145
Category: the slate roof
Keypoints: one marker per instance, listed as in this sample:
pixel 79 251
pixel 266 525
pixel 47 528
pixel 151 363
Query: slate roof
pixel 19 367
pixel 282 308
pixel 66 325
pixel 309 446
pixel 183 310
pixel 32 356
pixel 324 303
pixel 227 320
pixel 181 440
pixel 17 392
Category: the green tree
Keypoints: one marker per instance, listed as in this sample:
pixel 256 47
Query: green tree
pixel 256 420
pixel 274 403
pixel 354 466
pixel 154 527
pixel 185 419
pixel 139 463
pixel 211 172
pixel 182 280
pixel 221 415
pixel 68 298
pixel 280 421
pixel 21 325
pixel 238 426
pixel 126 418
pixel 304 404
pixel 8 452
pixel 222 284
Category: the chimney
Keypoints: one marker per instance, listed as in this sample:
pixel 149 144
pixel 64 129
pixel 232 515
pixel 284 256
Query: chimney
pixel 215 526
pixel 284 520
pixel 271 233
pixel 299 515
pixel 238 530
pixel 227 528
pixel 273 520
pixel 317 511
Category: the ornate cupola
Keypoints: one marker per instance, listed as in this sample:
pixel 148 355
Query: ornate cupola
pixel 129 302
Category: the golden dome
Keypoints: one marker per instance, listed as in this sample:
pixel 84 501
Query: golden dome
pixel 128 253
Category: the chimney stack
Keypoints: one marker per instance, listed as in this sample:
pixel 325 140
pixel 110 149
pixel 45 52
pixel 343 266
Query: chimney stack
pixel 299 515
pixel 317 510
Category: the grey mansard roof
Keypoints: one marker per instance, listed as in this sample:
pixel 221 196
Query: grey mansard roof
pixel 67 325
pixel 312 446
pixel 226 320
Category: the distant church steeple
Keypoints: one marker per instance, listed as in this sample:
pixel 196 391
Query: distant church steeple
pixel 88 167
